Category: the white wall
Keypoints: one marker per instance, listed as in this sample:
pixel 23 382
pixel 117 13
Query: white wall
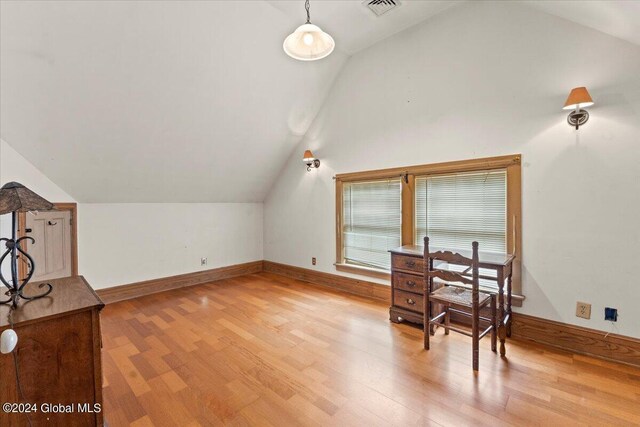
pixel 487 79
pixel 125 243
pixel 14 167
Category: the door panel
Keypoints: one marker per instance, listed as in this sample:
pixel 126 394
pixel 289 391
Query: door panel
pixel 51 251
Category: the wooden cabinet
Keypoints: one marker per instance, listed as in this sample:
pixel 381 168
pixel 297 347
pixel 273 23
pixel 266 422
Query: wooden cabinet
pixel 58 356
pixel 407 283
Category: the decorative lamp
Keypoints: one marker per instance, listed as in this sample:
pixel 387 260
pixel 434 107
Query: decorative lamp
pixel 14 198
pixel 310 161
pixel 308 42
pixel 578 98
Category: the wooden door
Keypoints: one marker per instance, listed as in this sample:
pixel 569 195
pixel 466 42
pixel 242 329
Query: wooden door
pixel 51 251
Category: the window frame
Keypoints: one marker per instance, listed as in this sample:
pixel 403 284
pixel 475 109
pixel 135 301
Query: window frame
pixel 510 163
pixel 370 269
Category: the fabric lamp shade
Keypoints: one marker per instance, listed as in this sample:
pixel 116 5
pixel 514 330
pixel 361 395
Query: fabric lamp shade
pixel 308 155
pixel 15 197
pixel 308 43
pixel 578 98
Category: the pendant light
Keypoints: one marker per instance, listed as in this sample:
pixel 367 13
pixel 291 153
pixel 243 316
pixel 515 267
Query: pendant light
pixel 308 42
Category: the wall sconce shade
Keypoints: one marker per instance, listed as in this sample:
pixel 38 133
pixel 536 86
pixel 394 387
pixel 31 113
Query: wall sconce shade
pixel 310 161
pixel 578 98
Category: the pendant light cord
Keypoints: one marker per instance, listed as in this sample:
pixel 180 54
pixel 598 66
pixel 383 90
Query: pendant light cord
pixel 306 6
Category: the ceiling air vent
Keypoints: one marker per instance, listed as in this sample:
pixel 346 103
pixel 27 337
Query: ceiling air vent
pixel 380 7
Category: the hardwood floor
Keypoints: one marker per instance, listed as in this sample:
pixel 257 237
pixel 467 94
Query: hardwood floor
pixel 270 351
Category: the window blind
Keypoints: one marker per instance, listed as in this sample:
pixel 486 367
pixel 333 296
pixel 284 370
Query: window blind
pixel 372 222
pixel 455 210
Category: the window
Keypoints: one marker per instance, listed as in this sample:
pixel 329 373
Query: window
pixel 371 222
pixel 456 209
pixel 454 203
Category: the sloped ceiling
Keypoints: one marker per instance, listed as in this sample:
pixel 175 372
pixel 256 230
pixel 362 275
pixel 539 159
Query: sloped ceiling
pixel 167 101
pixel 155 101
pixel 614 17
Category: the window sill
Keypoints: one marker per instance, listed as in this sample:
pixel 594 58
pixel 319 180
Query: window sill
pixel 364 271
pixel 516 299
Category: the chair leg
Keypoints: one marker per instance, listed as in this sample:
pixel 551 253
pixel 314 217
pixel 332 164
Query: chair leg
pixel 475 335
pixel 494 323
pixel 433 326
pixel 447 320
pixel 425 320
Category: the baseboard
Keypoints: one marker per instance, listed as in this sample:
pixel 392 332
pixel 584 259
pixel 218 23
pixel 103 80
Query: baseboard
pixel 134 290
pixel 576 339
pixel 342 283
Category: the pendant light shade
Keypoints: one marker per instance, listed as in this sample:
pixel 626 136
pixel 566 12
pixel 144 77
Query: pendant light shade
pixel 308 42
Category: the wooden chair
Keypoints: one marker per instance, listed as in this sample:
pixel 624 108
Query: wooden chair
pixel 454 296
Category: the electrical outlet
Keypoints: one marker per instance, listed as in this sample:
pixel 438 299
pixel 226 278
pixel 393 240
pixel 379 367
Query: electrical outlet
pixel 611 314
pixel 313 261
pixel 203 261
pixel 583 310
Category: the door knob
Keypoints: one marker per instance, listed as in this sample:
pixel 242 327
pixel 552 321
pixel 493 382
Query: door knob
pixel 52 223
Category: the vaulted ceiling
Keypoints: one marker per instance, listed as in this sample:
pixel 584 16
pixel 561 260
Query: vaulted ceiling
pixel 156 101
pixel 162 101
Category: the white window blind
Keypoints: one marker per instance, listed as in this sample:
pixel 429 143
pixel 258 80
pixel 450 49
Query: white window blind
pixel 455 210
pixel 372 222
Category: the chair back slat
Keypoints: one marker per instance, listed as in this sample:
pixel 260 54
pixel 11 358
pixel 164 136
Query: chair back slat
pixel 449 257
pixel 449 276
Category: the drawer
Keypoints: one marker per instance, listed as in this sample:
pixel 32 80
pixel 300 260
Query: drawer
pixel 408 282
pixel 408 300
pixel 409 263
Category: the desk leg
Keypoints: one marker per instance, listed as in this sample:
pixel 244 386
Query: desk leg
pixel 509 306
pixel 501 325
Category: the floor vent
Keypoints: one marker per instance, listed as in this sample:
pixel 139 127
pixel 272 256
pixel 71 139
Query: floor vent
pixel 380 7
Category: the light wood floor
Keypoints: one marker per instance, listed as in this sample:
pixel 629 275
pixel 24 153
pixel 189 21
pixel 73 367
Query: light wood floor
pixel 265 350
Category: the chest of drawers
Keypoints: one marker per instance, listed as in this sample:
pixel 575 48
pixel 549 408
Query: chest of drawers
pixel 59 360
pixel 407 283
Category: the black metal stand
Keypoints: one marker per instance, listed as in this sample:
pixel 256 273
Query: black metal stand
pixel 16 287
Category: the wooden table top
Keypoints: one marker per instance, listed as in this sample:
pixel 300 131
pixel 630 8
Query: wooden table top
pixel 487 259
pixel 70 294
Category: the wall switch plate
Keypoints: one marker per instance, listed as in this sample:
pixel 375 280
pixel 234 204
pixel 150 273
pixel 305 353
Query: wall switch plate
pixel 203 261
pixel 583 310
pixel 313 261
pixel 611 314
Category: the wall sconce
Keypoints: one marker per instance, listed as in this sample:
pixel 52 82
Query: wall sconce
pixel 310 161
pixel 579 97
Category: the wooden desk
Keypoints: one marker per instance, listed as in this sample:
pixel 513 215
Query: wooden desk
pixel 407 284
pixel 58 355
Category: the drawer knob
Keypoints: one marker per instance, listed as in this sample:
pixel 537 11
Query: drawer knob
pixel 410 301
pixel 411 283
pixel 410 264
